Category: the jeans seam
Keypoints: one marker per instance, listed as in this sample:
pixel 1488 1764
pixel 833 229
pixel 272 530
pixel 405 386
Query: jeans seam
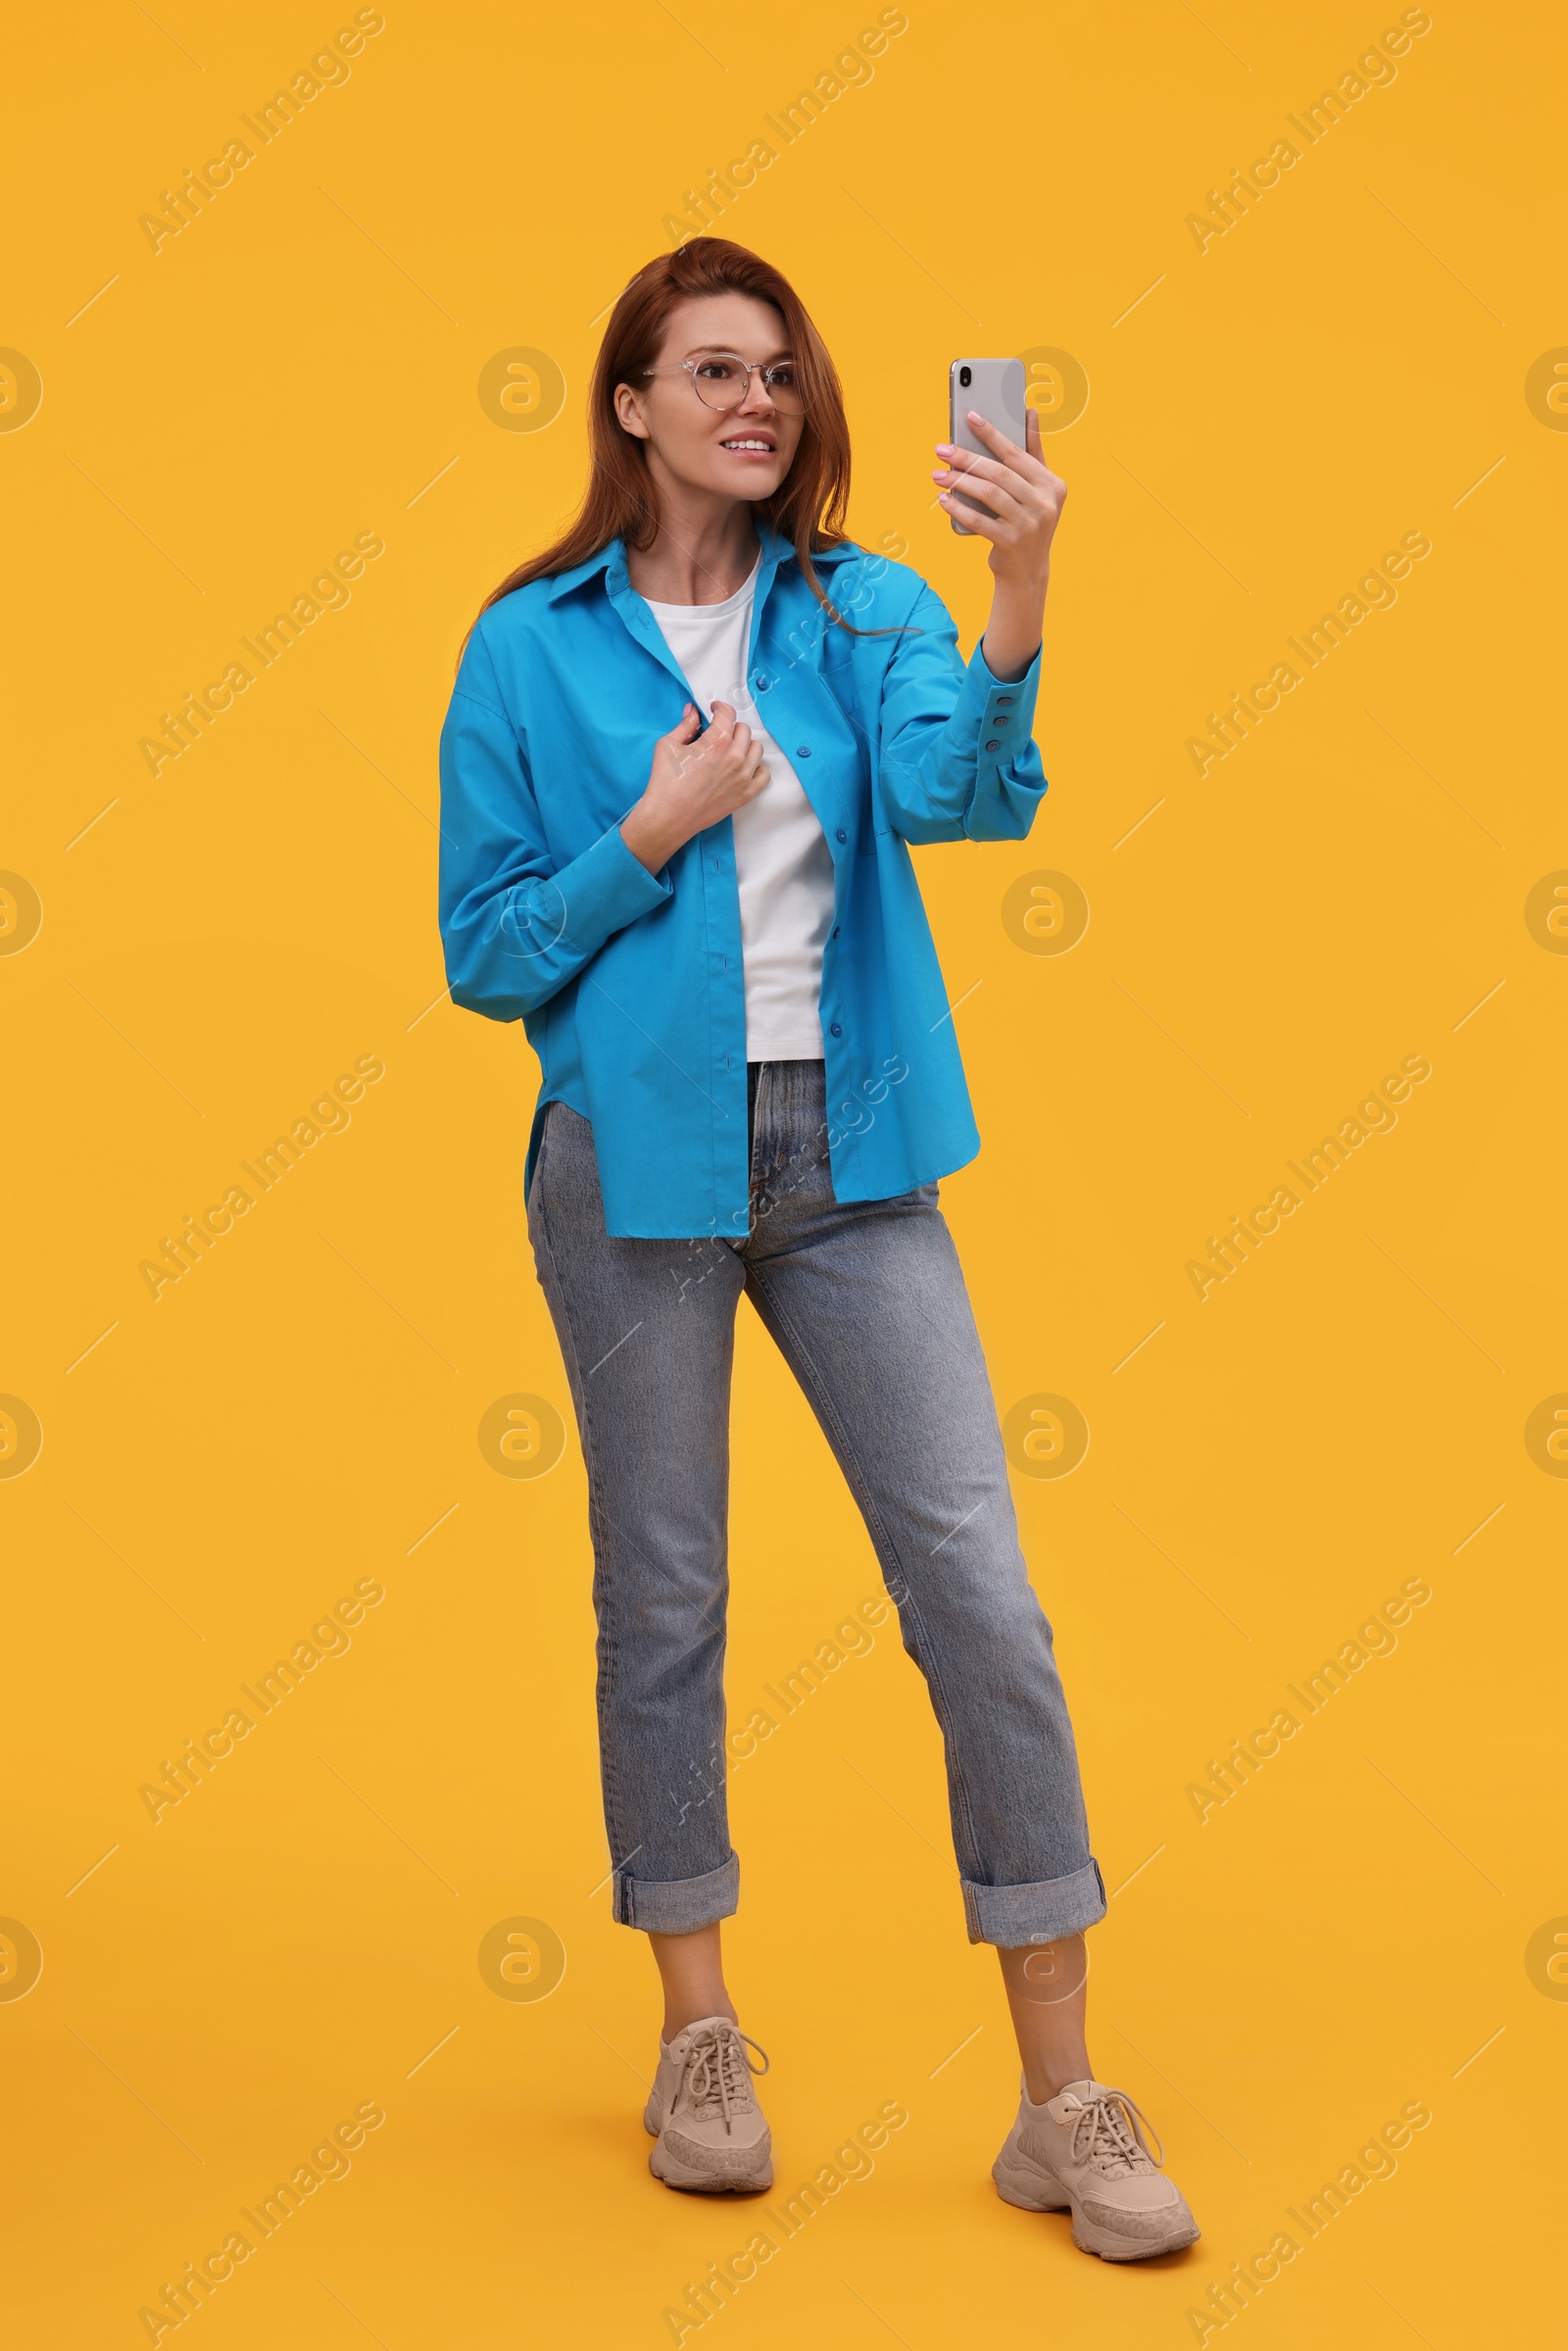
pixel 806 1372
pixel 597 1521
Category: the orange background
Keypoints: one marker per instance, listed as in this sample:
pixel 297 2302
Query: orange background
pixel 300 1413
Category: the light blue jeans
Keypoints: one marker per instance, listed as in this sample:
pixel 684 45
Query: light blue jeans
pixel 868 1307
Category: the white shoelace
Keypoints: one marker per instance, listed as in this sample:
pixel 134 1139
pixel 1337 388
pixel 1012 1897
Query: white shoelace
pixel 717 2079
pixel 1107 2133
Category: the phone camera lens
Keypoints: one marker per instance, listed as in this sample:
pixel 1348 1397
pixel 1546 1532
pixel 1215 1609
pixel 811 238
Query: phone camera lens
pixel 965 377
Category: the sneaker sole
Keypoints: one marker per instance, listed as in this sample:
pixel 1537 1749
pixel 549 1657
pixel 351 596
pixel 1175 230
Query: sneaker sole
pixel 693 2183
pixel 1026 2190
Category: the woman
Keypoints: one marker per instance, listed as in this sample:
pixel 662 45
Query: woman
pixel 687 750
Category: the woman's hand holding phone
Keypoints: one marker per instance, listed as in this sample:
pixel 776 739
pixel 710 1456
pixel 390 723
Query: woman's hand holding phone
pixel 695 780
pixel 1023 502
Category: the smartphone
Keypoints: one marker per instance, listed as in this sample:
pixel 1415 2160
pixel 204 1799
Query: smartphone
pixel 994 388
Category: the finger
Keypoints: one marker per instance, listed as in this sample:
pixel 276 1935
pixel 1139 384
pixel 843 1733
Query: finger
pixel 741 739
pixel 999 446
pixel 967 461
pixel 999 485
pixel 686 725
pixel 995 439
pixel 975 518
pixel 1031 433
pixel 1003 497
pixel 723 716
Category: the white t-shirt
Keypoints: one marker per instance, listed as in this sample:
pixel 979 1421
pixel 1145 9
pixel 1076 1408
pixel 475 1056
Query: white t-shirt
pixel 783 864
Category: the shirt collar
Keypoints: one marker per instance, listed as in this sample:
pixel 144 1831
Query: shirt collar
pixel 611 559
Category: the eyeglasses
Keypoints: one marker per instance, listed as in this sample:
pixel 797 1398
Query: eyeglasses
pixel 721 380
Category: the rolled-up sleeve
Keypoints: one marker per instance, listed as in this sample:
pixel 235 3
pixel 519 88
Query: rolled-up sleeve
pixel 516 926
pixel 957 755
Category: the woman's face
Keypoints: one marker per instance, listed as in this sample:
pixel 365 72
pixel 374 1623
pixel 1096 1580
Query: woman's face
pixel 744 452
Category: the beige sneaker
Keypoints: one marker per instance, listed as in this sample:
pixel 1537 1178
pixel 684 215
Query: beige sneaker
pixel 1083 2150
pixel 703 2111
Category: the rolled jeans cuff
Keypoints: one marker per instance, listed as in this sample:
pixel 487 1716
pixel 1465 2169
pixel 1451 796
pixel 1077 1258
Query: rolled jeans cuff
pixel 1014 1915
pixel 677 1905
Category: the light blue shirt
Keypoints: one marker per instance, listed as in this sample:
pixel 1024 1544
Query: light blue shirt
pixel 630 985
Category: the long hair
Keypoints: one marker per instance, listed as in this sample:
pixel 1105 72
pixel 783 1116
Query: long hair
pixel 808 508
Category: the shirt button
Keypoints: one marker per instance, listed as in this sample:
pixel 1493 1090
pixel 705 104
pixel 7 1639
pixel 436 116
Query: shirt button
pixel 803 750
pixel 835 1028
pixel 989 747
pixel 762 682
pixel 841 834
pixel 1004 702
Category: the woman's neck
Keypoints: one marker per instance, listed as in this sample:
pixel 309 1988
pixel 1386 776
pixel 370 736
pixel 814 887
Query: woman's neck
pixel 703 551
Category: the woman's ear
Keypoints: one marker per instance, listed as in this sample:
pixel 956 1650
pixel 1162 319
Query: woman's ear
pixel 629 411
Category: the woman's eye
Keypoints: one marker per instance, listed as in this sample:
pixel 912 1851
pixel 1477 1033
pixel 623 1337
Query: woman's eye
pixel 781 380
pixel 716 372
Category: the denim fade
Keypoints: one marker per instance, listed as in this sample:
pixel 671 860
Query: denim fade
pixel 868 1304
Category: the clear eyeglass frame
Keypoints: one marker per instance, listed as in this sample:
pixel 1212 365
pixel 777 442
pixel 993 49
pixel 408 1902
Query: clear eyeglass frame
pixel 785 397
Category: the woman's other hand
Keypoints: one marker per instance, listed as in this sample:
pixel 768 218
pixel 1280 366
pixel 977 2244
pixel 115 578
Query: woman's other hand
pixel 1023 502
pixel 697 779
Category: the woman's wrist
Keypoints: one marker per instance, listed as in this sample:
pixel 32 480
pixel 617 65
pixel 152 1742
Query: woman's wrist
pixel 650 842
pixel 1013 633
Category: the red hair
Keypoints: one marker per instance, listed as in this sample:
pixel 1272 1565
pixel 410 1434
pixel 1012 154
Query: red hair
pixel 809 505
